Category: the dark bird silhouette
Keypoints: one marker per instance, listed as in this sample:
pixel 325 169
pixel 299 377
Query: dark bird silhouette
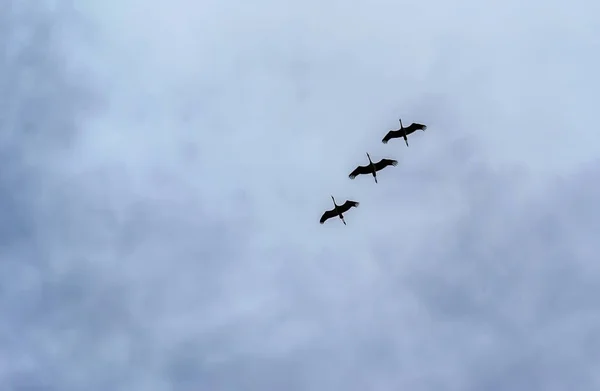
pixel 372 168
pixel 403 132
pixel 338 210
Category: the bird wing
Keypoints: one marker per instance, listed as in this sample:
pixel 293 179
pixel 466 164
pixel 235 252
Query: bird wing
pixel 327 215
pixel 416 126
pixel 384 163
pixel 358 171
pixel 347 205
pixel 390 135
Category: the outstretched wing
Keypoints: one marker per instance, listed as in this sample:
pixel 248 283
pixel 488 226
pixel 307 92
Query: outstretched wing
pixel 359 171
pixel 384 163
pixel 390 135
pixel 327 215
pixel 416 126
pixel 347 205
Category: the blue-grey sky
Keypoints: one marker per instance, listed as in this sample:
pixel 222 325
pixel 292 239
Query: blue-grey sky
pixel 163 167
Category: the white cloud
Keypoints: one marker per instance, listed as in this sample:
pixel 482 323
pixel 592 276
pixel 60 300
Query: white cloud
pixel 170 236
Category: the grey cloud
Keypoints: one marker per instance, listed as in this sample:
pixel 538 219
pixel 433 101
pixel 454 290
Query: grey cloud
pixel 145 248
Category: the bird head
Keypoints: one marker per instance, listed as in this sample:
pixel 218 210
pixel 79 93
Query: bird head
pixel 333 199
pixel 368 156
pixel 400 119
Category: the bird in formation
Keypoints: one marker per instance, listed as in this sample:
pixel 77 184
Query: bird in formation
pixel 372 168
pixel 403 132
pixel 338 210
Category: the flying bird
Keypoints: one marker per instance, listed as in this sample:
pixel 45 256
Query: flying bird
pixel 403 132
pixel 372 168
pixel 338 210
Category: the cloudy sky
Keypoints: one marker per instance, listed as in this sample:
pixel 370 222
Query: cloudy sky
pixel 163 167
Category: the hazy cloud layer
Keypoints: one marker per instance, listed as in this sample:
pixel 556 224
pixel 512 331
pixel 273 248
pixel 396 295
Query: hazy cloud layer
pixel 164 167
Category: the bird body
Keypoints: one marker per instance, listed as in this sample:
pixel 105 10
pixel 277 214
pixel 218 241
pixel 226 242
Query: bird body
pixel 403 132
pixel 372 168
pixel 338 210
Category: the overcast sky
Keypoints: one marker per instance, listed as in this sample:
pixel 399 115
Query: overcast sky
pixel 164 165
